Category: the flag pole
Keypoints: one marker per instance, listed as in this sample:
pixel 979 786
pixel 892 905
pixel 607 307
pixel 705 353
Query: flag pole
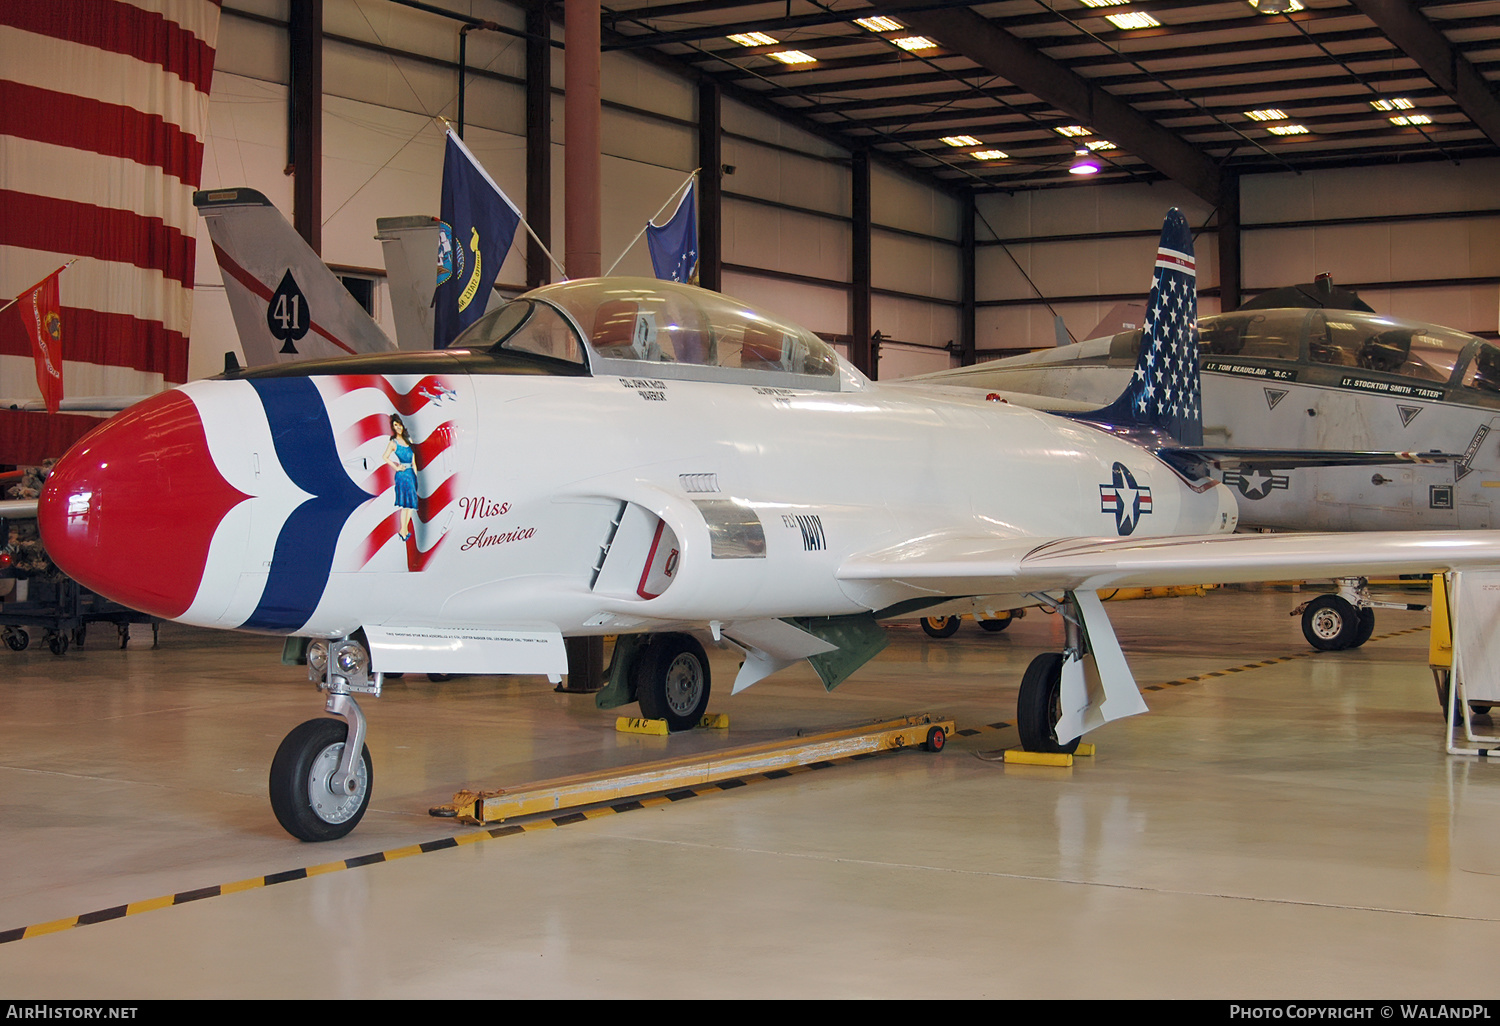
pixel 675 193
pixel 43 278
pixel 448 126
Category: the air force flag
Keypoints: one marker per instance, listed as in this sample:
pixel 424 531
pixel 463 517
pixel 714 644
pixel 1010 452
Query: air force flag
pixel 674 246
pixel 479 222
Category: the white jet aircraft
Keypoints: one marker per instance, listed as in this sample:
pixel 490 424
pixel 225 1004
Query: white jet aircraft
pixel 658 462
pixel 1315 378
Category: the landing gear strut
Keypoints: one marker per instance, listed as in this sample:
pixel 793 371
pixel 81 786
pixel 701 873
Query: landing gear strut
pixel 1039 705
pixel 321 777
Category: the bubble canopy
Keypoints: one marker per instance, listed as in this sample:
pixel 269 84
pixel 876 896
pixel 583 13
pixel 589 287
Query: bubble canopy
pixel 646 327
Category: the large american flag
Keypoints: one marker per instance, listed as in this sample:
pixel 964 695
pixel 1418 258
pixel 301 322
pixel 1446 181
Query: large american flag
pixel 103 111
pixel 1165 387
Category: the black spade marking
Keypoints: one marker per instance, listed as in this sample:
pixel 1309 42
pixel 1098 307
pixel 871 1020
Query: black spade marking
pixel 287 315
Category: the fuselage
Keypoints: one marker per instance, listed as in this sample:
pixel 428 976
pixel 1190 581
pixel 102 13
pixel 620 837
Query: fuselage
pixel 570 496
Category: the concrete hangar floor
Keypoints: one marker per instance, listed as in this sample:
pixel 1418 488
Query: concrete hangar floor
pixel 1291 830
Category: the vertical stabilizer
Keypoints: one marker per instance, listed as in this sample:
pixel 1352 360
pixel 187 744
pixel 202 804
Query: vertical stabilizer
pixel 287 304
pixel 410 246
pixel 1164 395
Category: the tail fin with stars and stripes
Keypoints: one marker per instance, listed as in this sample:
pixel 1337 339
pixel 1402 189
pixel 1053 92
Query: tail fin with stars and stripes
pixel 1163 397
pixel 1162 406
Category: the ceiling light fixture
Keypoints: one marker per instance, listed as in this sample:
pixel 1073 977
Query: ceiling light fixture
pixel 1100 144
pixel 1268 114
pixel 793 57
pixel 914 43
pixel 1394 103
pixel 961 140
pixel 1072 131
pixel 1275 6
pixel 1287 130
pixel 753 39
pixel 1411 119
pixel 989 155
pixel 1084 163
pixel 1132 20
pixel 879 24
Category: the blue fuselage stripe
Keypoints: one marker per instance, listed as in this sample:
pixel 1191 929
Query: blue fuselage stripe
pixel 303 557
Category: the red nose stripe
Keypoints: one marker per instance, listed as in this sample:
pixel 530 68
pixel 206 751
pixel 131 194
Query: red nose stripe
pixel 130 511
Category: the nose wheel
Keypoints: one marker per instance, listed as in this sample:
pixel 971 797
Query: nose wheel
pixel 306 793
pixel 1331 623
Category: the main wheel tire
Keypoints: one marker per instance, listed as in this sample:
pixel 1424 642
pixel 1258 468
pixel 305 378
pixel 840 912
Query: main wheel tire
pixel 1040 704
pixel 1330 624
pixel 940 626
pixel 16 639
pixel 996 626
pixel 58 643
pixel 1365 629
pixel 301 797
pixel 673 681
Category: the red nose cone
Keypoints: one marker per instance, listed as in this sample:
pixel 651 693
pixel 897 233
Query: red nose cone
pixel 130 510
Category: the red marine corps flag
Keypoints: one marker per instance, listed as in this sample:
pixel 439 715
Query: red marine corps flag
pixel 41 309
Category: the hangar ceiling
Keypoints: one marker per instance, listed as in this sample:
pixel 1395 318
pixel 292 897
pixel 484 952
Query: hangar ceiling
pixel 1005 96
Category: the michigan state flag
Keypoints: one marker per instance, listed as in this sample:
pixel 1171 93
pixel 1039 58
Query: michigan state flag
pixel 479 222
pixel 674 245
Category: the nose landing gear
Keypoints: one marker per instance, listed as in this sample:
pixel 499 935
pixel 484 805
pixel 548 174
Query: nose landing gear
pixel 321 778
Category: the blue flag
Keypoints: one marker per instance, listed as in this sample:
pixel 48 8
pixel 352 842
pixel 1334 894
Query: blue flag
pixel 479 222
pixel 674 246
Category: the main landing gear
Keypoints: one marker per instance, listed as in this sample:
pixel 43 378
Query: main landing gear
pixel 1331 623
pixel 320 789
pixel 671 680
pixel 1039 705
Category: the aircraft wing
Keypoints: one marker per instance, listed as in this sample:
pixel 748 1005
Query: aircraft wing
pixel 1185 457
pixel 975 565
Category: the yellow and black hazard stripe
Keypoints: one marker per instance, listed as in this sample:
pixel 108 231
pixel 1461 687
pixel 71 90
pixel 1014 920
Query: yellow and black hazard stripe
pixel 441 844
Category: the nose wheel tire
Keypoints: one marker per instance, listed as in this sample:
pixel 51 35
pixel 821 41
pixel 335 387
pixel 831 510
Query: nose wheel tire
pixel 1331 624
pixel 302 795
pixel 1039 705
pixel 673 682
pixel 940 626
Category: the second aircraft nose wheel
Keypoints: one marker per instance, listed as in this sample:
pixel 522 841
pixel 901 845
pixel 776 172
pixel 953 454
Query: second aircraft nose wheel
pixel 1331 623
pixel 302 792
